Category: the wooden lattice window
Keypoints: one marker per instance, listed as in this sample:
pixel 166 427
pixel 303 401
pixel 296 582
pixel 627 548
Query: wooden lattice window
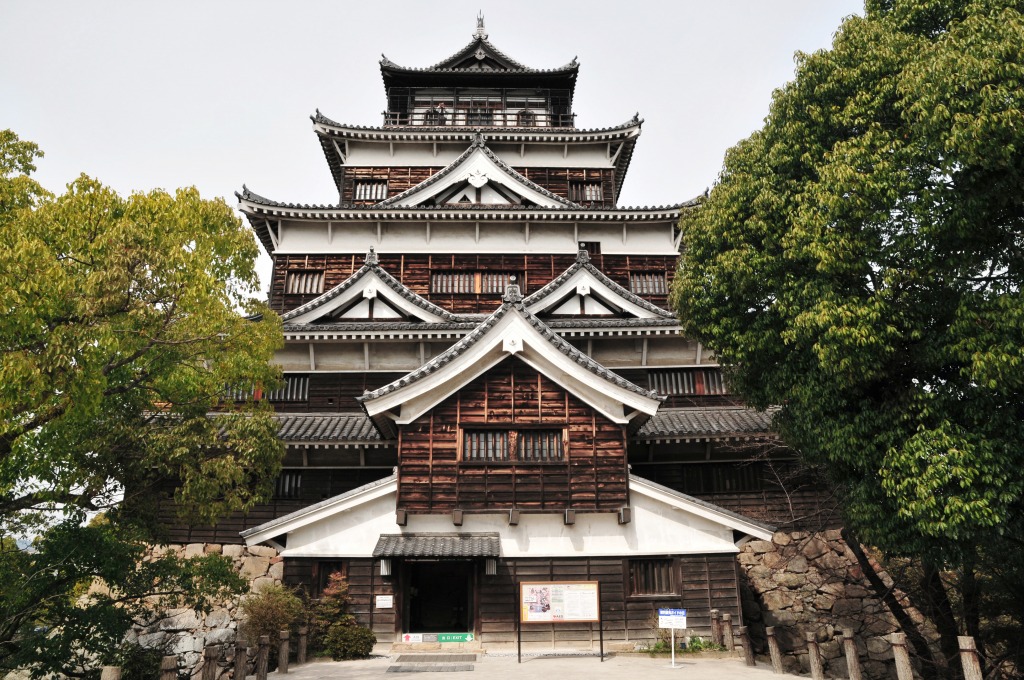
pixel 483 283
pixel 296 388
pixel 506 446
pixel 304 282
pixel 648 283
pixel 288 485
pixel 692 381
pixel 370 189
pixel 585 192
pixel 652 577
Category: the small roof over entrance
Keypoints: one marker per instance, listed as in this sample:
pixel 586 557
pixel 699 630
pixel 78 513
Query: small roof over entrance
pixel 438 545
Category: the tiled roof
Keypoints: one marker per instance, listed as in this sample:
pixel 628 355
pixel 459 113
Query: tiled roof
pixel 513 300
pixel 478 42
pixel 438 545
pixel 467 133
pixel 478 143
pixel 373 265
pixel 414 326
pixel 583 262
pixel 711 422
pixel 324 427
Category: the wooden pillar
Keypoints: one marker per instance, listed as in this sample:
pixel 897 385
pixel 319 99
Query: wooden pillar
pixel 210 654
pixel 716 628
pixel 748 649
pixel 283 650
pixel 904 671
pixel 241 665
pixel 727 640
pixel 852 659
pixel 300 657
pixel 169 668
pixel 263 657
pixel 814 656
pixel 774 651
pixel 969 658
pixel 110 673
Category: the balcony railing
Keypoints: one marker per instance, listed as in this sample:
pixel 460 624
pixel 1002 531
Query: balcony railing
pixel 441 117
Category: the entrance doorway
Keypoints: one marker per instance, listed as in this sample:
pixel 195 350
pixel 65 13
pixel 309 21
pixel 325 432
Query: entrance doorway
pixel 438 597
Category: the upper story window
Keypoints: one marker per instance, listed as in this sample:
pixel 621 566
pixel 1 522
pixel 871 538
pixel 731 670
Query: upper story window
pixel 482 283
pixel 304 282
pixel 586 192
pixel 288 485
pixel 512 446
pixel 648 283
pixel 296 388
pixel 370 189
pixel 688 381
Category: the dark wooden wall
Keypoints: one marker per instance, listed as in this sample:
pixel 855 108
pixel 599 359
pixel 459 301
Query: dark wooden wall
pixel 432 479
pixel 555 180
pixel 414 271
pixel 704 582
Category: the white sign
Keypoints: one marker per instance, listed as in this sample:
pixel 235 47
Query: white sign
pixel 414 638
pixel 385 601
pixel 558 602
pixel 672 618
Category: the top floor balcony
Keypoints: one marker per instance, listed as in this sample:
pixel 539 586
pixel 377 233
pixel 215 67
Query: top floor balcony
pixel 436 107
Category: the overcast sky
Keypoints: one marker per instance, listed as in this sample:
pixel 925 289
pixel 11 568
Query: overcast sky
pixel 218 93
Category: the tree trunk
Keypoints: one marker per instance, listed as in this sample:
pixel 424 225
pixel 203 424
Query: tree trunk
pixel 941 614
pixel 929 670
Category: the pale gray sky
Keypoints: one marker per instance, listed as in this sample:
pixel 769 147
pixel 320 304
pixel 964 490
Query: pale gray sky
pixel 217 93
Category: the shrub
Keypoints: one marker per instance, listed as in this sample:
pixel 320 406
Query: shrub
pixel 139 663
pixel 349 642
pixel 273 609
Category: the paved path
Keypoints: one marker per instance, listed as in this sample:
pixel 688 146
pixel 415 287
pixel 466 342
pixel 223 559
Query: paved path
pixel 494 667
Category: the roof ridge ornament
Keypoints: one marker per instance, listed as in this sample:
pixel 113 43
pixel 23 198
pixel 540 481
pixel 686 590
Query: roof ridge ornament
pixel 371 258
pixel 582 256
pixel 512 293
pixel 480 33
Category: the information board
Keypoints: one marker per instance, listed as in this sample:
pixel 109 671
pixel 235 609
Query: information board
pixel 559 601
pixel 672 618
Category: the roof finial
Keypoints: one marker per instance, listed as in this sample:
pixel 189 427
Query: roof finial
pixel 371 258
pixel 582 256
pixel 480 32
pixel 512 292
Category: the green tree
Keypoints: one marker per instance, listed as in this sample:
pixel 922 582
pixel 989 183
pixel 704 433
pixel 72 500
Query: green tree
pixel 120 330
pixel 859 262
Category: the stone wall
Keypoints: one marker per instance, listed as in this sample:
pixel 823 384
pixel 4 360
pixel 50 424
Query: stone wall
pixel 802 582
pixel 185 632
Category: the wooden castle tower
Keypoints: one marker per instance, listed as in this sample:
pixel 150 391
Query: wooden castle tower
pixel 484 384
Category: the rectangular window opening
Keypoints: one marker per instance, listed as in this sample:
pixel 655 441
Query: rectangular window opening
pixel 480 283
pixel 370 189
pixel 288 485
pixel 506 446
pixel 586 192
pixel 649 283
pixel 689 382
pixel 304 282
pixel 651 577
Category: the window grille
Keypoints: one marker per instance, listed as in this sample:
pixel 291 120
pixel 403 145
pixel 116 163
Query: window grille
pixel 304 282
pixel 586 192
pixel 504 446
pixel 370 189
pixel 479 116
pixel 239 392
pixel 526 118
pixel 648 283
pixel 296 388
pixel 485 283
pixel 651 577
pixel 288 485
pixel 695 381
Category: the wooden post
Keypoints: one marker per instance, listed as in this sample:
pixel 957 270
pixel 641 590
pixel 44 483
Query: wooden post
pixel 301 654
pixel 169 668
pixel 282 652
pixel 774 651
pixel 263 658
pixel 748 649
pixel 904 671
pixel 241 665
pixel 969 658
pixel 850 650
pixel 210 655
pixel 814 656
pixel 110 673
pixel 727 640
pixel 716 628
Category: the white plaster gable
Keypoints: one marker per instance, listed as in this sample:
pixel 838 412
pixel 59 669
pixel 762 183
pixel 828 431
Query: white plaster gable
pixel 509 332
pixel 478 177
pixel 662 524
pixel 584 293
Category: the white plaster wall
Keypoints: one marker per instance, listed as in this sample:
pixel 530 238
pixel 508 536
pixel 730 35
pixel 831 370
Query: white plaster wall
pixel 657 529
